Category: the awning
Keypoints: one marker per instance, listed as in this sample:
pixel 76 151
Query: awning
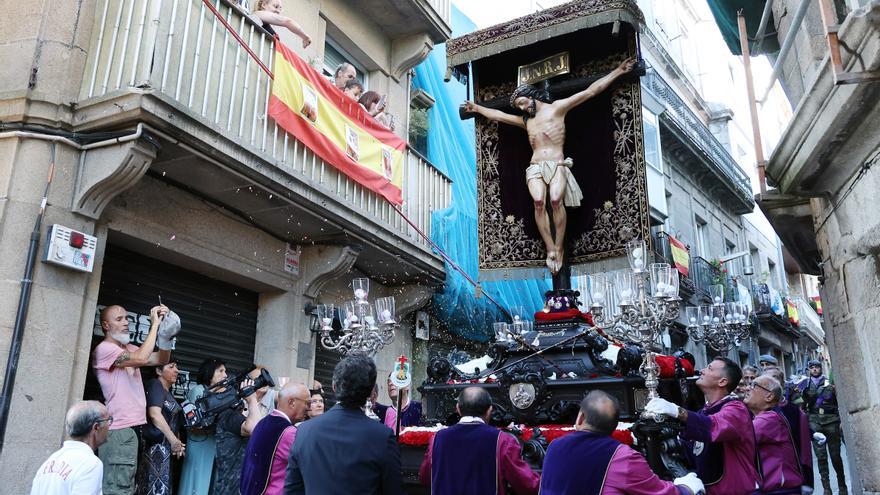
pixel 725 12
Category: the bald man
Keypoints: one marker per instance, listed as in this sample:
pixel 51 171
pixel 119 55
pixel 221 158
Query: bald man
pixel 265 460
pixel 75 469
pixel 475 458
pixel 613 467
pixel 116 362
pixel 776 447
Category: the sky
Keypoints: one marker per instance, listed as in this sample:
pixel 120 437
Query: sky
pixel 485 13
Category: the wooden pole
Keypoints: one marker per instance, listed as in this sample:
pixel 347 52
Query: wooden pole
pixel 753 106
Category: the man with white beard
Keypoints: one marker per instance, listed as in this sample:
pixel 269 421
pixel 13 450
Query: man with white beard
pixel 117 362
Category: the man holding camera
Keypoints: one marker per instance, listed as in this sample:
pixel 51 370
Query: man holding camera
pixel 234 427
pixel 117 362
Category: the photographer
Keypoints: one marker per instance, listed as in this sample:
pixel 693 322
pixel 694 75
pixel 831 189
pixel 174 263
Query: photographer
pixel 116 362
pixel 233 428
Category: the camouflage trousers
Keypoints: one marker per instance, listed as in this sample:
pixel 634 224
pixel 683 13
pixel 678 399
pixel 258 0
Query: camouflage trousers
pixel 822 423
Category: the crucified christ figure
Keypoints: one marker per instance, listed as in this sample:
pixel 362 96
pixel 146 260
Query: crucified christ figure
pixel 549 170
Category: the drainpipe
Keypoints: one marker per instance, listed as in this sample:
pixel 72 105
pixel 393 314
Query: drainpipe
pixel 786 44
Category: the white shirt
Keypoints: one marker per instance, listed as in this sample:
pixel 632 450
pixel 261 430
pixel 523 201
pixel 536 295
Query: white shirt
pixel 72 470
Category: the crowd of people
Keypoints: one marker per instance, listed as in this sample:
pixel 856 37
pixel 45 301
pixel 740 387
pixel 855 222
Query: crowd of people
pixel 139 430
pixel 753 434
pixel 268 12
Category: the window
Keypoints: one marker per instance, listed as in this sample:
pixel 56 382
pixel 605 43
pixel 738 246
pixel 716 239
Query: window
pixel 653 157
pixel 335 55
pixel 702 230
pixel 774 277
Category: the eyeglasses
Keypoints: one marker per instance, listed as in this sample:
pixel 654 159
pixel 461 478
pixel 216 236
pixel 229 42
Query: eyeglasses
pixel 755 384
pixel 108 419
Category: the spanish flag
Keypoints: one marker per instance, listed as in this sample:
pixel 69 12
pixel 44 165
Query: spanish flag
pixel 792 310
pixel 680 255
pixel 335 127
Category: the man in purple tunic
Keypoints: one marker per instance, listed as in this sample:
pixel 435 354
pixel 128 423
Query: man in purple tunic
pixel 776 447
pixel 613 468
pixel 412 409
pixel 265 460
pixel 799 427
pixel 475 458
pixel 720 436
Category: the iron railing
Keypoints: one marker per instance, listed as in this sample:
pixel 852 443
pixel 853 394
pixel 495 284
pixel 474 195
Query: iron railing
pixel 705 275
pixel 179 51
pixel 663 254
pixel 687 123
pixel 442 7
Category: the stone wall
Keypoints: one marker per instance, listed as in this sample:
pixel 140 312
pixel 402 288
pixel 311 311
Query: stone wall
pixel 850 243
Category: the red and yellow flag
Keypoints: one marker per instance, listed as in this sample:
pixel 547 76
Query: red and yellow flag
pixel 680 255
pixel 335 127
pixel 792 310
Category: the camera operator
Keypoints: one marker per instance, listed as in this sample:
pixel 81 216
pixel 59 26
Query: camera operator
pixel 117 362
pixel 233 428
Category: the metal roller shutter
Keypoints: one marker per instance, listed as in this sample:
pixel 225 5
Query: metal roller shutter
pixel 325 361
pixel 219 320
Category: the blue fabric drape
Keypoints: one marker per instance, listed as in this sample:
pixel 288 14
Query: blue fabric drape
pixel 451 148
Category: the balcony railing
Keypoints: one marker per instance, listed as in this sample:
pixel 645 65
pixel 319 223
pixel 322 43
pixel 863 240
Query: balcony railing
pixel 705 275
pixel 443 8
pixel 688 124
pixel 180 52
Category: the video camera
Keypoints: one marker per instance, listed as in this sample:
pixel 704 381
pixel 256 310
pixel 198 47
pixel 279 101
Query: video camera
pixel 224 395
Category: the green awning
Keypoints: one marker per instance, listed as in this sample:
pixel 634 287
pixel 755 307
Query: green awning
pixel 725 12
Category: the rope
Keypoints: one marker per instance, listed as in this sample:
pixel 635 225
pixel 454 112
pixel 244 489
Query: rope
pixel 238 38
pixel 447 259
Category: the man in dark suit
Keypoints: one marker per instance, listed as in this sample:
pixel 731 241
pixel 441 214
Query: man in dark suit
pixel 343 450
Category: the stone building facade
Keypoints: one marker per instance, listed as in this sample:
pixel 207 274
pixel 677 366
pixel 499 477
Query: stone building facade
pixel 155 120
pixel 701 176
pixel 825 202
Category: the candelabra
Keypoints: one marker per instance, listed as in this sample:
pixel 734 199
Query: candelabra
pixel 720 325
pixel 637 305
pixel 365 327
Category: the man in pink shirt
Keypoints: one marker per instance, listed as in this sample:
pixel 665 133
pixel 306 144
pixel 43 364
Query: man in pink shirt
pixel 116 363
pixel 613 468
pixel 776 447
pixel 720 435
pixel 265 460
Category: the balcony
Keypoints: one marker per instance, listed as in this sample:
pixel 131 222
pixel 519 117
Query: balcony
pixel 684 135
pixel 764 314
pixel 810 321
pixel 175 68
pixel 663 254
pixel 705 275
pixel 404 18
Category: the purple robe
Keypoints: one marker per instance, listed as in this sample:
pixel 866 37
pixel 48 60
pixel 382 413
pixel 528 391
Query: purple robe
pixel 799 426
pixel 779 460
pixel 722 438
pixel 476 459
pixel 613 468
pixel 256 470
pixel 411 416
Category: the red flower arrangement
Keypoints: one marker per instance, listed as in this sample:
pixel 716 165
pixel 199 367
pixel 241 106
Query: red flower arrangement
pixel 420 436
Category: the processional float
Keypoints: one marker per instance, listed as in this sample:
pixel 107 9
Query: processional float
pixel 607 333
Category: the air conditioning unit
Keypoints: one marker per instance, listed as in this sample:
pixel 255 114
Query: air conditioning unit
pixel 70 249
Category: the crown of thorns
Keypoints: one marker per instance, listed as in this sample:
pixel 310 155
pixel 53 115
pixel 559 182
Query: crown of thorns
pixel 530 91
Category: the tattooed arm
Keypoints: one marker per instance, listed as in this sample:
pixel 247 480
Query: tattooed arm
pixel 145 356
